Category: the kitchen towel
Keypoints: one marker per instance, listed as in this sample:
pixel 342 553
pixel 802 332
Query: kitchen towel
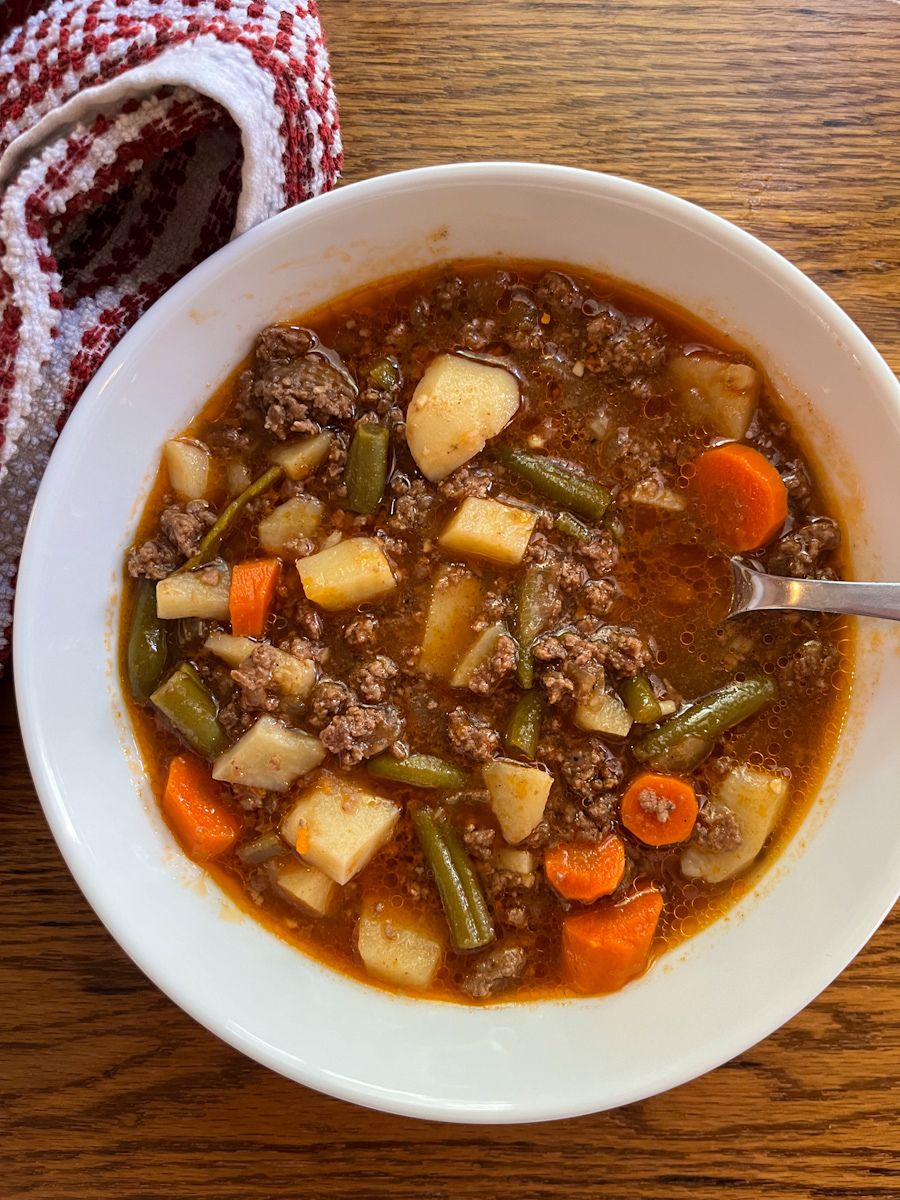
pixel 136 137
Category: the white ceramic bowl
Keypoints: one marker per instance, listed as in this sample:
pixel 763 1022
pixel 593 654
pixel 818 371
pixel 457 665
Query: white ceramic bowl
pixel 731 985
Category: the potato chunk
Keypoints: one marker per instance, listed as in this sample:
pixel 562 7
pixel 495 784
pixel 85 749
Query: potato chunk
pixel 345 826
pixel 350 573
pixel 518 796
pixel 301 458
pixel 298 517
pixel 305 886
pixel 603 713
pixel 756 798
pixel 489 529
pixel 458 404
pixel 269 756
pixel 395 949
pixel 204 594
pixel 481 649
pixel 292 676
pixel 455 603
pixel 187 464
pixel 715 393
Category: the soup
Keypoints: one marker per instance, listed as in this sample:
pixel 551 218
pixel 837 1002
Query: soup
pixel 424 632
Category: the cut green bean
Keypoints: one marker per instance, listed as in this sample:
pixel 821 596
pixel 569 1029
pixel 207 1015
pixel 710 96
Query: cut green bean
pixel 684 756
pixel 189 705
pixel 570 525
pixel 525 724
pixel 417 770
pixel 469 923
pixel 209 547
pixel 148 644
pixel 261 849
pixel 640 700
pixel 469 880
pixel 384 374
pixel 557 481
pixel 366 471
pixel 536 599
pixel 709 716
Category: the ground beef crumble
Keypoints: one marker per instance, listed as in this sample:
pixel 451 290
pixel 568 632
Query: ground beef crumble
pixel 471 736
pixel 495 971
pixel 499 663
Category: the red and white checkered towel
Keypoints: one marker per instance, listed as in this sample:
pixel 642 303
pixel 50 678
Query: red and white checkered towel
pixel 136 137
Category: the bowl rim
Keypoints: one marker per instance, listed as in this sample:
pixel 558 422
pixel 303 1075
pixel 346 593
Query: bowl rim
pixel 76 855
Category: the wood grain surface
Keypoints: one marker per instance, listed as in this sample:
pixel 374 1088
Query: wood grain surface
pixel 781 116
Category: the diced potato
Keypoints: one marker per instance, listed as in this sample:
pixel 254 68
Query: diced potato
pixel 298 517
pixel 452 611
pixel 481 649
pixel 718 394
pixel 489 529
pixel 305 886
pixel 345 824
pixel 457 405
pixel 187 464
pixel 269 756
pixel 518 796
pixel 654 493
pixel 292 676
pixel 756 798
pixel 396 950
pixel 204 593
pixel 350 573
pixel 237 477
pixel 301 458
pixel 520 862
pixel 232 650
pixel 603 713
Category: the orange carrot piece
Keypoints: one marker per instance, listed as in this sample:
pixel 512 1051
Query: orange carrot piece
pixel 741 496
pixel 194 806
pixel 253 585
pixel 302 844
pixel 659 810
pixel 585 870
pixel 604 948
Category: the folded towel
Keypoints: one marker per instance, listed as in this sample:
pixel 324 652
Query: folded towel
pixel 136 137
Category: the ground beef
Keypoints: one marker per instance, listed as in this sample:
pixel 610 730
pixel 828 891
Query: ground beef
pixel 235 718
pixel 413 503
pixel 471 736
pixel 370 679
pixel 479 841
pixel 361 731
pixel 467 481
pixel 810 668
pixel 590 768
pixel 575 665
pixel 499 663
pixel 328 698
pixel 305 647
pixel 155 559
pixel 624 650
pixel 184 526
pixel 495 971
pixel 799 553
pixel 283 343
pixel 600 553
pixel 717 828
pixel 626 349
pixel 654 804
pixel 796 479
pixel 254 678
pixel 297 391
pixel 361 631
pixel 598 596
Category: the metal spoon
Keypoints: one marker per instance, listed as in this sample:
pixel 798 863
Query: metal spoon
pixel 754 590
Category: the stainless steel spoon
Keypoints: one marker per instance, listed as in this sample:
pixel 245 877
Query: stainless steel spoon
pixel 755 591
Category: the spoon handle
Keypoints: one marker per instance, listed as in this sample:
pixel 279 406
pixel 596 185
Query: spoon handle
pixel 754 590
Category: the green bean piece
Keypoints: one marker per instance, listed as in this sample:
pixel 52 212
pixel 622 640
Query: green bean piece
pixel 467 931
pixel 188 704
pixel 557 481
pixel 367 463
pixel 709 716
pixel 467 877
pixel 535 603
pixel 213 539
pixel 417 770
pixel 525 724
pixel 640 700
pixel 684 756
pixel 384 374
pixel 148 644
pixel 614 526
pixel 261 849
pixel 570 525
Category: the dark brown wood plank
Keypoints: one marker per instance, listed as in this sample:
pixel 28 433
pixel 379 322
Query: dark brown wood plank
pixel 781 116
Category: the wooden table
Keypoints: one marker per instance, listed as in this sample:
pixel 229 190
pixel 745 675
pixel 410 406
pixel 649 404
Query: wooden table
pixel 781 116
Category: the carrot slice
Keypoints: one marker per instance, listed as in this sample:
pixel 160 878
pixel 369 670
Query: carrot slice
pixel 741 496
pixel 253 585
pixel 604 948
pixel 585 870
pixel 659 810
pixel 195 807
